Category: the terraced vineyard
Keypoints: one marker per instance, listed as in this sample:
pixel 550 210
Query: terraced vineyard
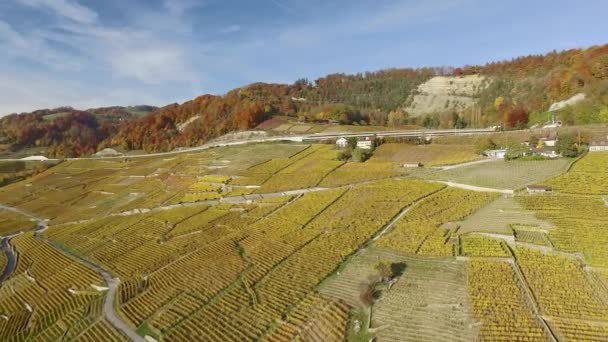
pixel 428 155
pixel 283 266
pixel 499 303
pixel 50 296
pixel 262 260
pixel 587 176
pixel 11 223
pixel 419 233
pixel 482 246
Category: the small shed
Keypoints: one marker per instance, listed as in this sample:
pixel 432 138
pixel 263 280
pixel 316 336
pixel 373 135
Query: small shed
pixel 408 165
pixel 496 154
pixel 537 189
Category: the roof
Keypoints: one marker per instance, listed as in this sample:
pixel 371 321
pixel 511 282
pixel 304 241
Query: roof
pixel 599 143
pixel 538 187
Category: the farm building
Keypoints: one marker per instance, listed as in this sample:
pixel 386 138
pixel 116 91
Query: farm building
pixel 536 189
pixel 407 165
pixel 341 142
pixel 550 140
pixel 598 146
pixel 366 144
pixel 496 154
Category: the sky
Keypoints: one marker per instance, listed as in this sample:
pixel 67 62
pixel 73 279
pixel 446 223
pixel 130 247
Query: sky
pixel 86 53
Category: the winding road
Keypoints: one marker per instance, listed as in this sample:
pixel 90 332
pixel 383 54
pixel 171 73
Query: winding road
pixel 109 310
pixel 11 259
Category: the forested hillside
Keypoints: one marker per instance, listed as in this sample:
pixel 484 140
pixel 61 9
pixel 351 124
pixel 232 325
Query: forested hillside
pixel 516 93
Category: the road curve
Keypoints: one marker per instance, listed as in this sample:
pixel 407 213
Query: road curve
pixel 112 283
pixel 11 259
pixel 109 310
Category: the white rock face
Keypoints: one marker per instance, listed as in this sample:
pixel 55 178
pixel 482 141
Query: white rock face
pixel 569 102
pixel 446 93
pixel 182 126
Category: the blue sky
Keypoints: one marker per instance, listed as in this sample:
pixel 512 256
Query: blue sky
pixel 87 53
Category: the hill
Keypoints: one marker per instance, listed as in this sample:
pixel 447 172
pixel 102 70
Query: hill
pixel 514 94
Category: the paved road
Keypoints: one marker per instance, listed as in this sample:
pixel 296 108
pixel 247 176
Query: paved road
pixel 7 249
pixel 112 283
pixel 109 310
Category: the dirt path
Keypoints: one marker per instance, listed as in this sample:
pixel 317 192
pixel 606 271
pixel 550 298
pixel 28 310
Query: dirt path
pixel 456 166
pixel 476 188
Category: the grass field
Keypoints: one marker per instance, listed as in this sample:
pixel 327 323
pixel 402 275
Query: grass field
pixel 498 174
pixel 429 303
pixel 499 216
pixel 428 155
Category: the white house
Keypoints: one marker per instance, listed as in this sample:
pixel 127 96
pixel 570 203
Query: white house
pixel 496 154
pixel 341 142
pixel 366 144
pixel 549 141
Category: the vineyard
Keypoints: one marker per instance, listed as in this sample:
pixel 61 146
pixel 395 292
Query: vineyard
pixel 482 246
pixel 238 262
pixel 307 265
pixel 499 303
pixel 95 188
pixel 428 155
pixel 587 176
pixel 583 230
pixel 49 296
pixel 11 223
pixel 419 233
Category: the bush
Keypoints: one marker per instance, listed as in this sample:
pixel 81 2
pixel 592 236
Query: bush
pixel 360 155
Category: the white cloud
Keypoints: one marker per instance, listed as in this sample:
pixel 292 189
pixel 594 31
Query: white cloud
pixel 25 92
pixel 31 46
pixel 65 8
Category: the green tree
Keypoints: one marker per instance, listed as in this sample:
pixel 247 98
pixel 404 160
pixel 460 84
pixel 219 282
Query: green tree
pixel 566 145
